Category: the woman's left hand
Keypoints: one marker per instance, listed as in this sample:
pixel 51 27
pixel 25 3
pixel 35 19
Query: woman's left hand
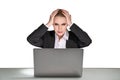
pixel 68 17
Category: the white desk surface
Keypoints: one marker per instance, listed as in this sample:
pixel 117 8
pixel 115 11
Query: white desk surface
pixel 88 74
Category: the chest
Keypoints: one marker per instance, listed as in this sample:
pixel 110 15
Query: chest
pixel 50 43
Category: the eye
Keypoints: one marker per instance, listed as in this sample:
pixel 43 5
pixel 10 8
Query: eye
pixel 55 24
pixel 64 24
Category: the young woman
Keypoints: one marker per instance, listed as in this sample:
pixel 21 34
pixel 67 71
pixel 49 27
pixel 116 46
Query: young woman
pixel 60 37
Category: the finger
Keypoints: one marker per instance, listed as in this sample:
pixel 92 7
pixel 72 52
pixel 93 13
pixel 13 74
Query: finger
pixel 65 11
pixel 54 12
pixel 67 14
pixel 64 14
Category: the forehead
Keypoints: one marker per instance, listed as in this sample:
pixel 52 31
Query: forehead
pixel 60 19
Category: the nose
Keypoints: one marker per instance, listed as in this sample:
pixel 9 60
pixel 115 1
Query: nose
pixel 59 27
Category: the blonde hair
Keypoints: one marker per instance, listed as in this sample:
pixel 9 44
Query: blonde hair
pixel 60 13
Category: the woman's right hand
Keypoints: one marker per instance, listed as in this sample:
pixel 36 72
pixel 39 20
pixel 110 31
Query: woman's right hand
pixel 50 22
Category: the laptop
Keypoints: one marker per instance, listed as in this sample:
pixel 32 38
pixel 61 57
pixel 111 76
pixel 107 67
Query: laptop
pixel 49 62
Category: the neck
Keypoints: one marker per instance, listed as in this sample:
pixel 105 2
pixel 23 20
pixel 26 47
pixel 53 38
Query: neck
pixel 60 37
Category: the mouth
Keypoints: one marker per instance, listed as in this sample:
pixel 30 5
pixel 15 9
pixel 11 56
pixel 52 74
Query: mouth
pixel 59 32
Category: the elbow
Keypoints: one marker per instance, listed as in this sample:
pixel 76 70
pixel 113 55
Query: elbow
pixel 29 40
pixel 88 42
pixel 85 44
pixel 35 42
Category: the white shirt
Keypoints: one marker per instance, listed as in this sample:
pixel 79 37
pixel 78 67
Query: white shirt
pixel 62 42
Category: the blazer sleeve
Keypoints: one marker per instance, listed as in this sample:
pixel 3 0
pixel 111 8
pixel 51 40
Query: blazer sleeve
pixel 83 38
pixel 35 38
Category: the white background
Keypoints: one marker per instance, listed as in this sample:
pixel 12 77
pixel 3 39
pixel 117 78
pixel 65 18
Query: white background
pixel 99 18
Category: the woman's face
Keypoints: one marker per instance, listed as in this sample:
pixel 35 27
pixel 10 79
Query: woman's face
pixel 60 25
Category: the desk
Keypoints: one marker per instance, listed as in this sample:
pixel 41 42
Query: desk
pixel 88 74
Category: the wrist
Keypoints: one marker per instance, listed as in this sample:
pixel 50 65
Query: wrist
pixel 69 24
pixel 48 24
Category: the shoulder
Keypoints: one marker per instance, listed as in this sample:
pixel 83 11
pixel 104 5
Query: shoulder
pixel 72 36
pixel 49 33
pixel 71 33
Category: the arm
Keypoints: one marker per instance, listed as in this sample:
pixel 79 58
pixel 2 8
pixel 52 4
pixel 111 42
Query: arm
pixel 35 38
pixel 84 39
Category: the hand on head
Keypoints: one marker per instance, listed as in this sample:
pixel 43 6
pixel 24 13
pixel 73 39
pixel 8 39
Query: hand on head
pixel 53 14
pixel 50 22
pixel 68 16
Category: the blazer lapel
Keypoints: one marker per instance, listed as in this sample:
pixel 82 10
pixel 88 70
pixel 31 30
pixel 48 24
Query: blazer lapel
pixel 52 40
pixel 70 42
pixel 49 40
